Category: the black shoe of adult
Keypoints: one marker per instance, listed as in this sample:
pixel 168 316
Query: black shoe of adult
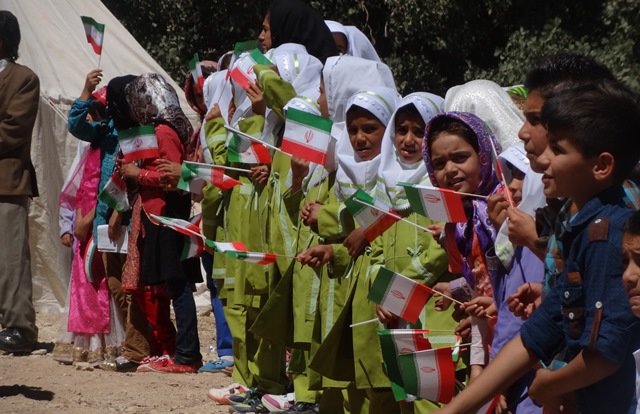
pixel 12 340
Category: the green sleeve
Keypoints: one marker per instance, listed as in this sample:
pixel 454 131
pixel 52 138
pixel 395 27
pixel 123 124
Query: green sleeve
pixel 277 91
pixel 292 202
pixel 429 261
pixel 341 262
pixel 216 137
pixel 252 124
pixel 211 211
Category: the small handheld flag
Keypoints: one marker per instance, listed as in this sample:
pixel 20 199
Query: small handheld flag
pixel 196 71
pixel 193 245
pixel 94 32
pixel 240 47
pixel 306 136
pixel 436 203
pixel 195 175
pixel 399 294
pixel 429 374
pixel 373 221
pixel 253 257
pixel 139 143
pixel 500 173
pixel 241 78
pixel 114 194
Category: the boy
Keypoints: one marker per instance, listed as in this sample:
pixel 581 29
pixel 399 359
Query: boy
pixel 631 276
pixel 584 313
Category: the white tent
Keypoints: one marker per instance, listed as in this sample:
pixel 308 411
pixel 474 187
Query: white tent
pixel 54 46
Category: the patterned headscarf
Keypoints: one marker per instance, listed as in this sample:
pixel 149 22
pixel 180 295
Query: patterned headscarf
pixel 153 100
pixel 476 237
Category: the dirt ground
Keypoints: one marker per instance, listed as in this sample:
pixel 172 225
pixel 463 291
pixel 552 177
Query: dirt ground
pixel 37 384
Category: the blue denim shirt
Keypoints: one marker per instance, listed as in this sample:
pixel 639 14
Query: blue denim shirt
pixel 565 317
pixel 102 134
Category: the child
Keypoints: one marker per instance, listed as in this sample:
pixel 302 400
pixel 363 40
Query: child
pixel 631 277
pixel 585 311
pixel 458 154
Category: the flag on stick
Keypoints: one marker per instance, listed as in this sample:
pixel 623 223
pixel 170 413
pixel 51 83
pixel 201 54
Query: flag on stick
pixel 94 32
pixel 394 342
pixel 114 194
pixel 399 294
pixel 259 58
pixel 500 173
pixel 181 226
pixel 253 257
pixel 241 78
pixel 436 203
pixel 428 374
pixel 139 143
pixel 193 245
pixel 373 221
pixel 240 47
pixel 306 136
pixel 246 149
pixel 224 247
pixel 195 175
pixel 196 71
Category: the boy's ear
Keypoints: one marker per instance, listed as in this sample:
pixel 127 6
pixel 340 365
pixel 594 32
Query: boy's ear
pixel 604 166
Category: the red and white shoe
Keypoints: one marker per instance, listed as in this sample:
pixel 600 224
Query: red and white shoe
pixel 168 365
pixel 221 395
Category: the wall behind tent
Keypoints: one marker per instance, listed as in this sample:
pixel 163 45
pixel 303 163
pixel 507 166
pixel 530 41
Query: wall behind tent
pixel 54 46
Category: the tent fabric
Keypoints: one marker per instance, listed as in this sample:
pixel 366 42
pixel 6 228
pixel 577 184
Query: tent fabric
pixel 55 47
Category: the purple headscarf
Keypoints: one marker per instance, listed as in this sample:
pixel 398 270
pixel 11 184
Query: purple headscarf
pixel 476 209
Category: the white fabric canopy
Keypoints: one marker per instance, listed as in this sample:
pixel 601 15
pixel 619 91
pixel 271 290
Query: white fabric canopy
pixel 54 46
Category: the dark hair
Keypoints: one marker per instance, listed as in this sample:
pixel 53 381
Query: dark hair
pixel 409 110
pixel 632 226
pixel 564 70
pixel 597 117
pixel 9 35
pixel 454 127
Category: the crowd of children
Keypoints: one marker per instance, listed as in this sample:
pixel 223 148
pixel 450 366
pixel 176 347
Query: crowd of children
pixel 538 270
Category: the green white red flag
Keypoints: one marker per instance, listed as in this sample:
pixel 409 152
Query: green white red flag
pixel 259 58
pixel 429 374
pixel 247 151
pixel 195 176
pixel 247 45
pixel 181 226
pixel 254 257
pixel 394 342
pixel 138 143
pixel 399 294
pixel 196 71
pixel 306 136
pixel 193 245
pixel 240 77
pixel 224 247
pixel 436 203
pixel 114 194
pixel 373 221
pixel 94 32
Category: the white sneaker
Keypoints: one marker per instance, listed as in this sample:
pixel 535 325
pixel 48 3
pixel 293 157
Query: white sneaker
pixel 221 395
pixel 278 402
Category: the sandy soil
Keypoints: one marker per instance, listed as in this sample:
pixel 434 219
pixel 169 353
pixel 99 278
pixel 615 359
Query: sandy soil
pixel 37 384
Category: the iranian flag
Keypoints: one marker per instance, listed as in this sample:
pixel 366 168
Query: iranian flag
pixel 193 245
pixel 138 143
pixel 195 175
pixel 240 77
pixel 373 217
pixel 247 151
pixel 399 294
pixel 94 32
pixel 254 257
pixel 259 58
pixel 429 374
pixel 306 136
pixel 436 203
pixel 196 71
pixel 240 47
pixel 114 194
pixel 394 342
pixel 224 247
pixel 181 226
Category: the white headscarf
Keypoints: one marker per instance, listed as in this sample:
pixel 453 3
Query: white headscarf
pixel 240 98
pixel 218 90
pixel 358 44
pixel 532 196
pixel 488 101
pixel 354 173
pixel 392 170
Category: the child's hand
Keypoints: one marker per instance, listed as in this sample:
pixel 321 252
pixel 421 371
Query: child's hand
pixel 522 228
pixel 436 230
pixel 542 391
pixel 525 300
pixel 260 174
pixel 464 328
pixel 256 96
pixel 501 406
pixel 384 315
pixel 213 113
pixel 497 206
pixel 316 256
pixel 309 214
pixel 443 303
pixel 355 243
pixel 90 83
pixel 480 307
pixel 299 170
pixel 129 170
pixel 66 239
pixel 171 172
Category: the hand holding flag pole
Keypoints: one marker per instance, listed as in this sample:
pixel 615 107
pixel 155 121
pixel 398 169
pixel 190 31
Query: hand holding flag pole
pixel 395 216
pixel 500 173
pixel 252 138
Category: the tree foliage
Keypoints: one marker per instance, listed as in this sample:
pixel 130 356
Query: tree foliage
pixel 430 45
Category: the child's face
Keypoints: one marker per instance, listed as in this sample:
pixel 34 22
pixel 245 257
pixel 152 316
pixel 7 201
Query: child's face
pixel 322 100
pixel 533 133
pixel 342 44
pixel 569 173
pixel 409 131
pixel 265 35
pixel 455 163
pixel 515 185
pixel 365 133
pixel 631 275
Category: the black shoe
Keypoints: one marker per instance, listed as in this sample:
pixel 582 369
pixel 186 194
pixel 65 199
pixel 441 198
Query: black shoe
pixel 304 408
pixel 12 340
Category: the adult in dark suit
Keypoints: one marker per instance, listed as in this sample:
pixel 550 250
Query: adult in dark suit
pixel 19 96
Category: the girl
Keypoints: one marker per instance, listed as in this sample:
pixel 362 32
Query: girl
pixel 458 156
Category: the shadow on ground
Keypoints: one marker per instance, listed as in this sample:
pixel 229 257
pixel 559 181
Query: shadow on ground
pixel 32 393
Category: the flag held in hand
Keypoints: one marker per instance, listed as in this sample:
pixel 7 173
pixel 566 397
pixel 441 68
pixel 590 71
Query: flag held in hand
pixel 194 176
pixel 436 203
pixel 373 221
pixel 114 194
pixel 138 143
pixel 399 294
pixel 306 136
pixel 94 32
pixel 429 374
